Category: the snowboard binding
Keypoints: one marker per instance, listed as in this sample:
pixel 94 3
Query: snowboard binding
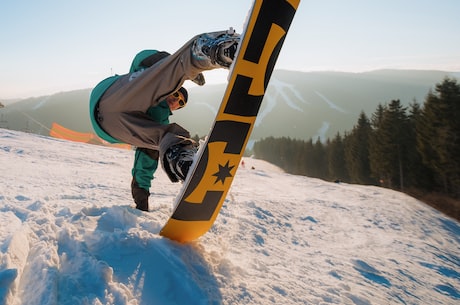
pixel 179 158
pixel 219 47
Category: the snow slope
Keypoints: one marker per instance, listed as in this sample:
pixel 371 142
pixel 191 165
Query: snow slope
pixel 69 236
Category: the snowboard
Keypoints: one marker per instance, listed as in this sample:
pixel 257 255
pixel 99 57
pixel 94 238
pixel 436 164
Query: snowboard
pixel 217 161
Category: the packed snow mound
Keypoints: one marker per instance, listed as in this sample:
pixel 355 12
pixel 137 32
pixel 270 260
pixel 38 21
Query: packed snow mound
pixel 69 235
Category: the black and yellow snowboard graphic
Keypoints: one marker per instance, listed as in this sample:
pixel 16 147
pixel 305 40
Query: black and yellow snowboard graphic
pixel 205 190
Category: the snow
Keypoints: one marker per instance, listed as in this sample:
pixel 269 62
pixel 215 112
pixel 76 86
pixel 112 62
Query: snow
pixel 330 103
pixel 276 90
pixel 69 235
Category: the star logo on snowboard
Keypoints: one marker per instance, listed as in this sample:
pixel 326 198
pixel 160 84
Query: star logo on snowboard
pixel 223 173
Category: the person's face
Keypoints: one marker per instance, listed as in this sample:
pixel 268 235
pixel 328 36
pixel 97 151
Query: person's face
pixel 175 101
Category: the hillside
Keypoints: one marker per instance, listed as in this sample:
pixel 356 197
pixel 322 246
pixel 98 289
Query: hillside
pixel 68 235
pixel 297 104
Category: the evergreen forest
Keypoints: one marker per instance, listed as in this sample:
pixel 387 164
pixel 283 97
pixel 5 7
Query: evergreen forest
pixel 411 149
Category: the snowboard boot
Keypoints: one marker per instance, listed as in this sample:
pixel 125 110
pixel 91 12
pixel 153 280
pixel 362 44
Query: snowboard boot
pixel 140 196
pixel 179 158
pixel 218 47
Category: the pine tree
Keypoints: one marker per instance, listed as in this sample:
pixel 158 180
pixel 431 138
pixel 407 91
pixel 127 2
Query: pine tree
pixel 376 146
pixel 438 135
pixel 336 159
pixel 309 165
pixel 389 145
pixel 319 156
pixel 418 174
pixel 357 151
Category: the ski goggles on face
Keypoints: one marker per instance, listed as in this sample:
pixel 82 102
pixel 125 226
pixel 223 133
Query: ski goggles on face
pixel 179 99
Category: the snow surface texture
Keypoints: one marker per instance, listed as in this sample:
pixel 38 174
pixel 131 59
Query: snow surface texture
pixel 70 236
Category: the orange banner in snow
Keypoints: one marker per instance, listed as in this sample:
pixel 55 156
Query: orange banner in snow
pixel 60 132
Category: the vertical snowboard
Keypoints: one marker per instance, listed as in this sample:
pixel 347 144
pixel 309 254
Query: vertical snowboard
pixel 206 187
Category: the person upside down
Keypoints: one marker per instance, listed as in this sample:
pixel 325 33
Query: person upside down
pixel 134 108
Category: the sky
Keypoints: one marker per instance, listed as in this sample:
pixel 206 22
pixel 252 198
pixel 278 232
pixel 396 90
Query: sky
pixel 51 46
pixel 69 235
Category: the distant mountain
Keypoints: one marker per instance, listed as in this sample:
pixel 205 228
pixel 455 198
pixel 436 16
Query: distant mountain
pixel 304 105
pixel 297 104
pixel 36 115
pixel 6 102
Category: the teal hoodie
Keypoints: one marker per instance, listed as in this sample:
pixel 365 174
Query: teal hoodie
pixel 95 96
pixel 100 89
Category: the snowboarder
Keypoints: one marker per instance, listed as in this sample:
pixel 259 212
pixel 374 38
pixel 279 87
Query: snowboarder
pixel 145 159
pixel 119 104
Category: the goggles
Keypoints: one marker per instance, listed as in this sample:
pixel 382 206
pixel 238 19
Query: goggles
pixel 179 99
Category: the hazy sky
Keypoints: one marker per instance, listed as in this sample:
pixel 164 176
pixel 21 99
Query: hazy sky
pixel 48 46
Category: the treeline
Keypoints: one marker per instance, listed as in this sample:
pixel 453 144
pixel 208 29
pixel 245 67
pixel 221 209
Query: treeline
pixel 397 147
